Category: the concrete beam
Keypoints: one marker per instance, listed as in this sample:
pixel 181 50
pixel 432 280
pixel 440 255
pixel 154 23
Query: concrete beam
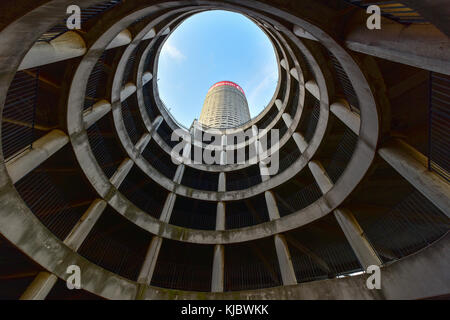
pixel 98 111
pixel 179 174
pixel 81 230
pixel 218 269
pixel 320 175
pixel 121 172
pixel 127 91
pixel 313 88
pixel 222 182
pixel 302 33
pixel 122 39
pixel 284 64
pixel 272 207
pixel 43 149
pixel 148 267
pixel 220 216
pixel 287 119
pixel 168 207
pixel 150 34
pixel 413 166
pixel 355 235
pixel 284 260
pixel 421 46
pixel 40 287
pixel 143 142
pixel 341 109
pixel 278 104
pixel 300 141
pixel 67 46
pixel 146 77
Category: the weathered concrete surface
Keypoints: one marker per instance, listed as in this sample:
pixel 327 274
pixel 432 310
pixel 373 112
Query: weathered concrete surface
pixel 421 46
pixel 40 287
pixel 218 269
pixel 148 267
pixel 284 261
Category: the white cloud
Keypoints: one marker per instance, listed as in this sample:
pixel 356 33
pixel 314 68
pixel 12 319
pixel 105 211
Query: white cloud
pixel 264 81
pixel 173 52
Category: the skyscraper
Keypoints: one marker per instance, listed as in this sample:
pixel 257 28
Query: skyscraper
pixel 225 106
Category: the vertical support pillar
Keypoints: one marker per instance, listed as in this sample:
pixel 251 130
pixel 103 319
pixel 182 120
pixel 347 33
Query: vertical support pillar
pixel 222 182
pixel 300 141
pixel 220 216
pixel 218 269
pixel 284 260
pixel 271 205
pixel 148 267
pixel 40 287
pixel 168 207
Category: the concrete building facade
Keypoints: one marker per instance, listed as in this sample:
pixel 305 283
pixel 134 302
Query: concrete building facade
pixel 87 178
pixel 225 106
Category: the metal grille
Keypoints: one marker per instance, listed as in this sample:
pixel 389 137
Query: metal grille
pixel 344 84
pixel 268 118
pixel 159 160
pixel 116 244
pixel 313 118
pixel 183 266
pixel 246 213
pixel 18 121
pixel 97 80
pixel 128 72
pixel 412 224
pixel 165 132
pixel 288 159
pixel 134 131
pixel 439 124
pixel 342 155
pixel 200 180
pixel 294 103
pixel 294 199
pixel 393 10
pixel 86 15
pixel 150 106
pixel 143 192
pixel 195 214
pixel 243 179
pixel 45 200
pixel 102 152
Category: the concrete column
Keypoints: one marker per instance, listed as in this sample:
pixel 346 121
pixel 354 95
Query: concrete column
pixel 355 236
pixel 283 64
pixel 278 104
pixel 300 141
pixel 143 142
pixel 98 111
pixel 81 230
pixel 287 119
pixel 122 39
pixel 285 261
pixel 313 88
pixel 218 269
pixel 40 287
pixel 341 109
pixel 43 149
pixel 150 34
pixel 222 182
pixel 272 207
pixel 121 172
pixel 146 77
pixel 294 73
pixel 127 91
pixel 220 216
pixel 156 123
pixel 168 207
pixel 321 176
pixel 421 46
pixel 148 267
pixel 413 166
pixel 66 46
pixel 302 33
pixel 179 174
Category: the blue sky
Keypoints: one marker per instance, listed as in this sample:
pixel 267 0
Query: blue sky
pixel 215 46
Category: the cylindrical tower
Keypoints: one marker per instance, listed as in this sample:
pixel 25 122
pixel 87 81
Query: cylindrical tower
pixel 225 106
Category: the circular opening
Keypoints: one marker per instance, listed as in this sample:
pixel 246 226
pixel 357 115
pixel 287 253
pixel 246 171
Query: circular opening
pixel 209 48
